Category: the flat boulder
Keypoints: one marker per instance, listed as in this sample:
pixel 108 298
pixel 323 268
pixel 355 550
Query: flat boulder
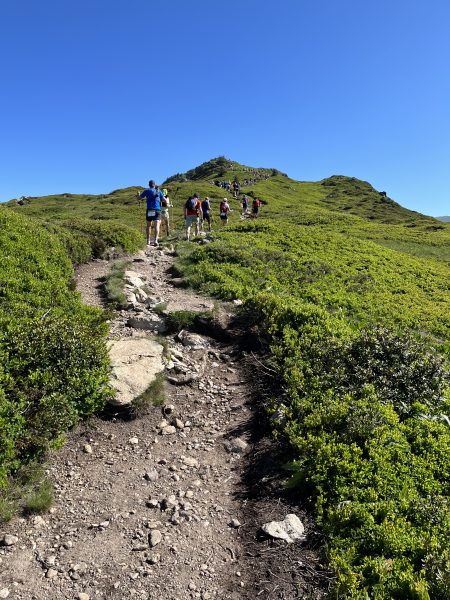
pixel 135 363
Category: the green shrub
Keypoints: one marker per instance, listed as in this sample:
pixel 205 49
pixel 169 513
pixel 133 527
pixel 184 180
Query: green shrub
pixel 53 356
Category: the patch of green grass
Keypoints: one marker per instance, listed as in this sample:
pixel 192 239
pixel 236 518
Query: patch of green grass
pixel 40 498
pixel 115 283
pixel 185 319
pixel 154 395
pixel 160 308
pixel 28 491
pixel 8 507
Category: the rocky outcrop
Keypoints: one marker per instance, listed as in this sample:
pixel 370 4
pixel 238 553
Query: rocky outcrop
pixel 135 362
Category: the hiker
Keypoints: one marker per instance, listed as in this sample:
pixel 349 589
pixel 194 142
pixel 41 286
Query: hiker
pixel 165 205
pixel 224 211
pixel 206 213
pixel 153 213
pixel 191 214
pixel 244 204
pixel 255 207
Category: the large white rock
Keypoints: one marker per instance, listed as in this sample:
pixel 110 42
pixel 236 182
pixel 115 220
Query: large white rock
pixel 290 529
pixel 133 278
pixel 135 362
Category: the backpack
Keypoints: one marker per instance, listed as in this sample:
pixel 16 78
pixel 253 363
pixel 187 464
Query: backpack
pixel 222 207
pixel 191 203
pixel 205 205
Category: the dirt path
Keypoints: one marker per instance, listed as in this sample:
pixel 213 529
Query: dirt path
pixel 148 515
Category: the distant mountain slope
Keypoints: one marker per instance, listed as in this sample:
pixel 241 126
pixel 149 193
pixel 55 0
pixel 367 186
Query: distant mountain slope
pixel 360 198
pixel 445 219
pixel 338 193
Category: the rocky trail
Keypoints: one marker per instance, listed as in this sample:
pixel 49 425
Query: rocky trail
pixel 168 505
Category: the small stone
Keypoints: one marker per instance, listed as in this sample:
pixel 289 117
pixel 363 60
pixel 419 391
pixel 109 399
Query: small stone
pixel 169 430
pixel 51 573
pixel 190 461
pixel 290 529
pixel 152 503
pixel 168 409
pixel 189 494
pixel 192 586
pixel 104 524
pixel 151 475
pixel 4 593
pixel 83 596
pixel 87 449
pixel 133 441
pixel 153 559
pixel 206 596
pixel 38 521
pixel 178 424
pixel 237 445
pixel 155 537
pixel 9 540
pixel 235 523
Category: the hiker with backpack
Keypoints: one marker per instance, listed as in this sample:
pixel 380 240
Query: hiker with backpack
pixel 224 211
pixel 206 213
pixel 165 205
pixel 192 210
pixel 255 207
pixel 244 204
pixel 153 198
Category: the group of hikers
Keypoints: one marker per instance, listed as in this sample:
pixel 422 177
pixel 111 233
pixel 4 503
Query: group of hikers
pixel 234 187
pixel 197 213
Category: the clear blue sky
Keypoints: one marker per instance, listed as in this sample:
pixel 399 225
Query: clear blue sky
pixel 101 94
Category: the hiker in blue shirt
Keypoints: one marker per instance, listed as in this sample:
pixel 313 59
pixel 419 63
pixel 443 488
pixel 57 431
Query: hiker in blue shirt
pixel 153 213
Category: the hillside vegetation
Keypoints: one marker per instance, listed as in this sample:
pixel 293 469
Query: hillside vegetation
pixel 53 367
pixel 353 291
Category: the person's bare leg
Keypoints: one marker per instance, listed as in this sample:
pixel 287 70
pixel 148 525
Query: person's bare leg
pixel 148 232
pixel 157 225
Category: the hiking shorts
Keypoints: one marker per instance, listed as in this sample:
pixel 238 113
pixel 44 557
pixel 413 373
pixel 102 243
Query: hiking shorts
pixel 165 216
pixel 207 217
pixel 153 215
pixel 191 220
pixel 224 216
pixel 255 210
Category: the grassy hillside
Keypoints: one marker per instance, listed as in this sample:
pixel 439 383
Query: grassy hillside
pixel 358 310
pixel 354 292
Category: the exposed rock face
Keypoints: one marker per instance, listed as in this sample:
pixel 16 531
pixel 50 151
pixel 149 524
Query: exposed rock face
pixel 135 363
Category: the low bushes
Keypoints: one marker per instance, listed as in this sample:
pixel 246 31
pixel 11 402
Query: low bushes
pixel 366 408
pixel 53 357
